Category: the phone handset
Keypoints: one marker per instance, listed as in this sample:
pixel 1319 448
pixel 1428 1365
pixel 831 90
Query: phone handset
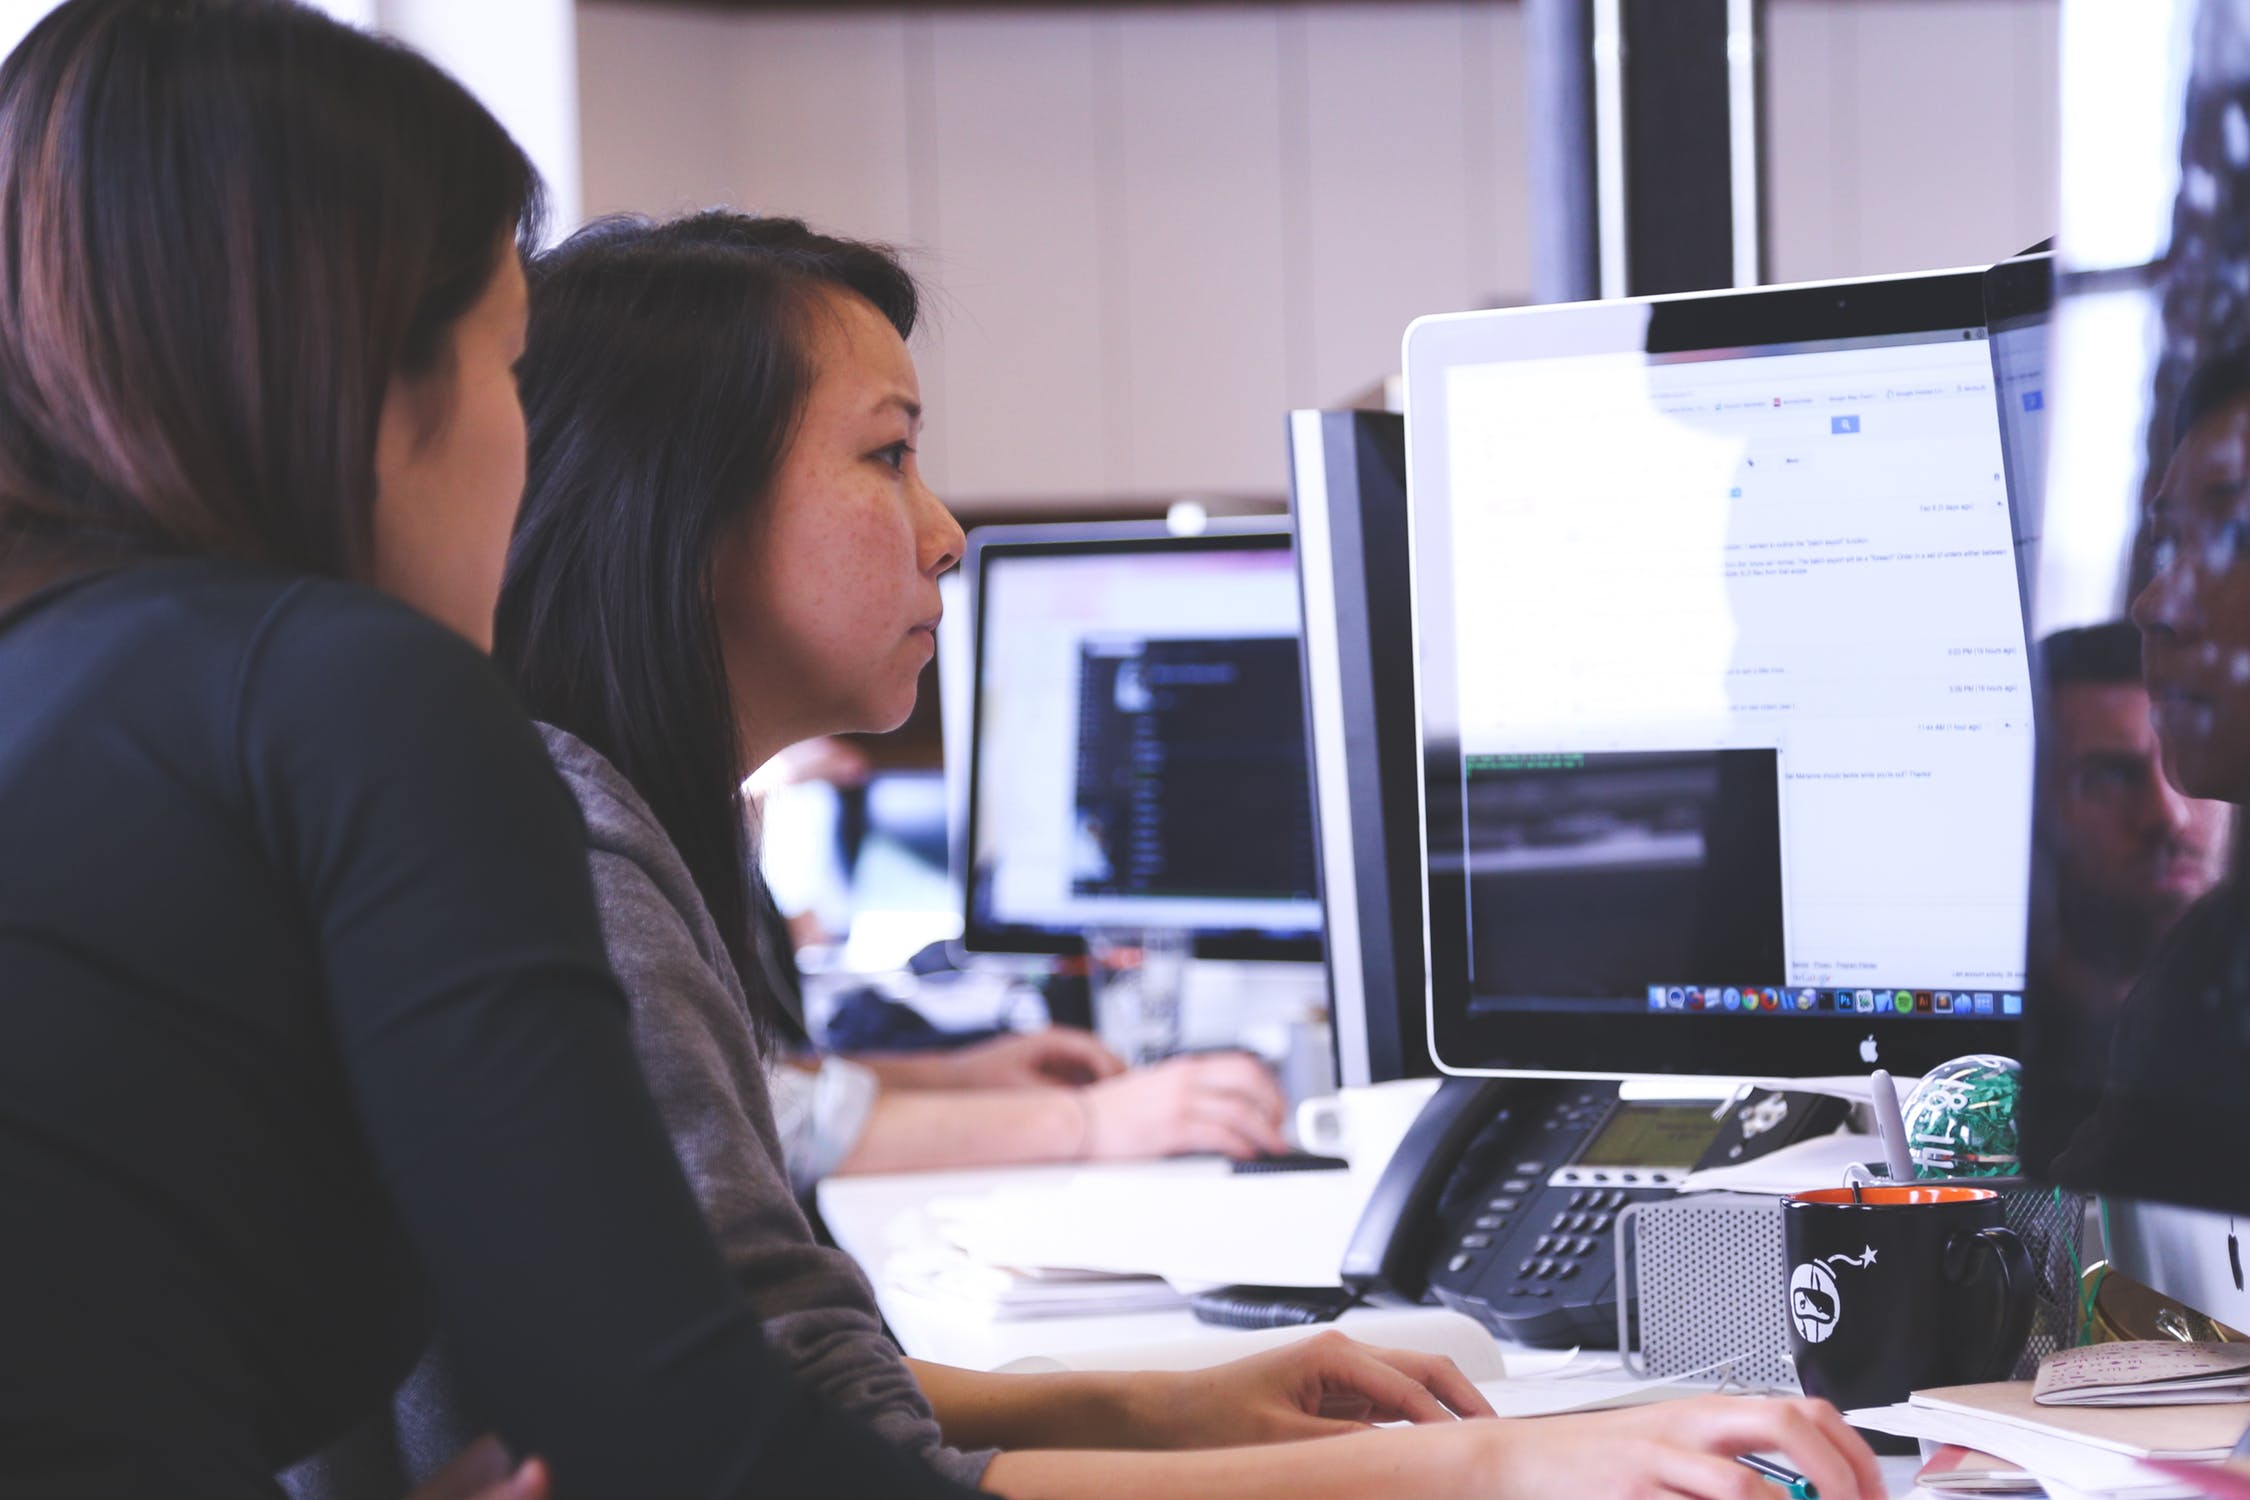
pixel 1466 1120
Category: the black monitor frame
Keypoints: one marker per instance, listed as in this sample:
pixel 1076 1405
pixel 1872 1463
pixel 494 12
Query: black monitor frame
pixel 1347 490
pixel 988 544
pixel 1607 1043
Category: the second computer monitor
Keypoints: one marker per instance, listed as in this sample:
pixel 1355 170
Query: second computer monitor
pixel 1726 711
pixel 1138 741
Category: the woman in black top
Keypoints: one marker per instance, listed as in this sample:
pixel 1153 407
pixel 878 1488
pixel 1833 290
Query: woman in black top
pixel 307 1042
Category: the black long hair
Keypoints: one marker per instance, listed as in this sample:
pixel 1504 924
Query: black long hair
pixel 666 370
pixel 226 226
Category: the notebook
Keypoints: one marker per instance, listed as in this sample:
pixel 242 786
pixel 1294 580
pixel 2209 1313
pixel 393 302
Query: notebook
pixel 2149 1372
pixel 2205 1431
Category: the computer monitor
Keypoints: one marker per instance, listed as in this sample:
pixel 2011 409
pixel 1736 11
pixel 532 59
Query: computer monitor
pixel 1137 751
pixel 1723 686
pixel 1347 488
pixel 2137 1077
pixel 2018 295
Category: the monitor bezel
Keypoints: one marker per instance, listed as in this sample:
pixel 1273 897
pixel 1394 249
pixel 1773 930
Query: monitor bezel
pixel 988 544
pixel 1613 1044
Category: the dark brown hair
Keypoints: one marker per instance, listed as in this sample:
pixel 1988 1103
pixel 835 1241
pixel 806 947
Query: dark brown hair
pixel 226 226
pixel 666 368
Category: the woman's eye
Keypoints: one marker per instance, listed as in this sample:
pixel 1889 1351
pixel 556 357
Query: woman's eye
pixel 895 454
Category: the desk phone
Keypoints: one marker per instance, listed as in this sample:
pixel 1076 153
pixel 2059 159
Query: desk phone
pixel 1502 1199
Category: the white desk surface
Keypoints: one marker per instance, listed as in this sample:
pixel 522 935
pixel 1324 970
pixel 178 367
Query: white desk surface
pixel 860 1213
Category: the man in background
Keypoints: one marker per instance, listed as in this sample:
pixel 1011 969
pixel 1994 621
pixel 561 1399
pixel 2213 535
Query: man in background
pixel 2122 853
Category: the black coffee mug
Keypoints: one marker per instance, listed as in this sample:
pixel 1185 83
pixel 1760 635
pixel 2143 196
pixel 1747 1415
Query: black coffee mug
pixel 1898 1289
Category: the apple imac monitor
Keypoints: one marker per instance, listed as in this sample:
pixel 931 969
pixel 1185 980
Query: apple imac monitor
pixel 1347 499
pixel 1723 687
pixel 1137 745
pixel 2137 1073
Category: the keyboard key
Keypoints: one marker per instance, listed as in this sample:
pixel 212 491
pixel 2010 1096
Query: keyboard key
pixel 1476 1241
pixel 1458 1264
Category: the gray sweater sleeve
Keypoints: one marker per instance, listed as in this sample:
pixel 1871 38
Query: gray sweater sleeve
pixel 707 1070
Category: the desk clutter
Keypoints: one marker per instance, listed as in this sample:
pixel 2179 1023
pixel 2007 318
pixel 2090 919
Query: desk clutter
pixel 2068 1451
pixel 1706 1284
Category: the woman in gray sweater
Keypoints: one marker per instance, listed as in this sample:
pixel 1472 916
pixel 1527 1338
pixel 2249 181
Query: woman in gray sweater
pixel 725 548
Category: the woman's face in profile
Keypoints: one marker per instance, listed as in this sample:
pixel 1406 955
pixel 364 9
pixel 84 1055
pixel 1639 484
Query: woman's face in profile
pixel 827 594
pixel 2194 614
pixel 449 466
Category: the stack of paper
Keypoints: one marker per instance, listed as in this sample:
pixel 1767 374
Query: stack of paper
pixel 1955 1470
pixel 2153 1372
pixel 1193 1228
pixel 2073 1451
pixel 2184 1432
pixel 945 1274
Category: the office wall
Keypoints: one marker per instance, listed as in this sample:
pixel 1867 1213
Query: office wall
pixel 1908 134
pixel 1153 229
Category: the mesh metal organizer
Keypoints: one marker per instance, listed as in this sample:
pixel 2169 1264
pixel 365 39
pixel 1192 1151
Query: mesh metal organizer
pixel 1708 1277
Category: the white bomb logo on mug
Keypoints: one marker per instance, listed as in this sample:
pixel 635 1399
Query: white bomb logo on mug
pixel 1813 1303
pixel 1815 1300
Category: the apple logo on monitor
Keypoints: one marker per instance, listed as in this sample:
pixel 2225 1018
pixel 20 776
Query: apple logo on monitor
pixel 1867 1051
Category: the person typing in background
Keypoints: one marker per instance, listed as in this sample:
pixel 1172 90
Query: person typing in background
pixel 1055 1094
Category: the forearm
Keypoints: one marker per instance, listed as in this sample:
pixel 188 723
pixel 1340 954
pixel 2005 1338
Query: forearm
pixel 912 1070
pixel 908 1131
pixel 1431 1463
pixel 1080 1409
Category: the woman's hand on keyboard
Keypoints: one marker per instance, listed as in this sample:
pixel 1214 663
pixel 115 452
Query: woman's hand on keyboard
pixel 1682 1450
pixel 1317 1387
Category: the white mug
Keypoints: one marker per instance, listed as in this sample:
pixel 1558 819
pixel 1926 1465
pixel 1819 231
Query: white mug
pixel 1362 1125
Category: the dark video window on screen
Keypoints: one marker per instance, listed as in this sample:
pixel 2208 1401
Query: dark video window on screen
pixel 2138 1051
pixel 1141 756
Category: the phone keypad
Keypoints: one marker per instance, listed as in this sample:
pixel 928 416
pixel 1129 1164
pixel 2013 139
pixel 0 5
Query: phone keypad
pixel 1535 1233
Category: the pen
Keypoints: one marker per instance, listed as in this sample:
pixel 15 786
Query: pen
pixel 1889 1125
pixel 1796 1484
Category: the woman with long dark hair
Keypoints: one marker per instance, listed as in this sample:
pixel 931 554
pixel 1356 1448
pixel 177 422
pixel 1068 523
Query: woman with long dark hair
pixel 727 547
pixel 308 1044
